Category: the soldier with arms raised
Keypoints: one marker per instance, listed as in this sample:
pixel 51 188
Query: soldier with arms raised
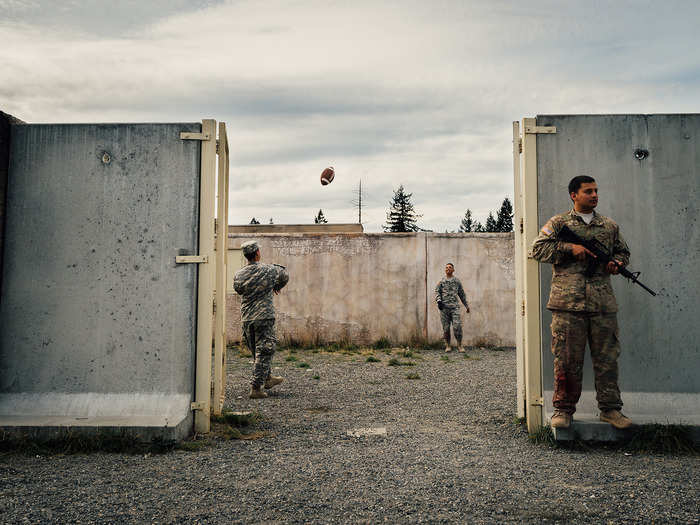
pixel 255 283
pixel 583 305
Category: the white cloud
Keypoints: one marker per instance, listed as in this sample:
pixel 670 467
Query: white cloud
pixel 390 92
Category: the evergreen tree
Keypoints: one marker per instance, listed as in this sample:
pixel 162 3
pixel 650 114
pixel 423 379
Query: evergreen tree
pixel 490 225
pixel 271 221
pixel 479 228
pixel 320 218
pixel 467 224
pixel 401 216
pixel 254 221
pixel 504 220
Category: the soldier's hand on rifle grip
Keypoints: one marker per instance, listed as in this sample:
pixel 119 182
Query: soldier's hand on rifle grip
pixel 613 267
pixel 580 252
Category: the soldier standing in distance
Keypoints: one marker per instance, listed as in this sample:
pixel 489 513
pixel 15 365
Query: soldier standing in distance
pixel 448 293
pixel 255 283
pixel 583 305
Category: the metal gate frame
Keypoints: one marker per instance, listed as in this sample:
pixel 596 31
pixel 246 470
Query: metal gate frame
pixel 527 275
pixel 210 392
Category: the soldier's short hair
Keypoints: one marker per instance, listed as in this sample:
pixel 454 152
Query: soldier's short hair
pixel 249 249
pixel 451 265
pixel 575 183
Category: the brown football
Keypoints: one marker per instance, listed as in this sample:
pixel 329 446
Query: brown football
pixel 327 176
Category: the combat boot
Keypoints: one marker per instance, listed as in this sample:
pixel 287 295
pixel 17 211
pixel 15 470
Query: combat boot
pixel 448 348
pixel 616 419
pixel 257 393
pixel 461 349
pixel 561 419
pixel 272 381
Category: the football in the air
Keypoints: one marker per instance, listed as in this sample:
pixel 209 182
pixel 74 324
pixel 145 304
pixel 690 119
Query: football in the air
pixel 327 176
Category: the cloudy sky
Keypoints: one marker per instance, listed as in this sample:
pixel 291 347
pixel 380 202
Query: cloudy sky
pixel 419 93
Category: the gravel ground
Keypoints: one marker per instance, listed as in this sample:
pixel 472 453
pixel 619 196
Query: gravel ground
pixel 451 453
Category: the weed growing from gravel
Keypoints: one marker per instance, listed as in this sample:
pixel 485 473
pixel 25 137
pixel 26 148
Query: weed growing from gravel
pixel 467 356
pixel 407 353
pixel 290 358
pixel 317 377
pixel 303 364
pixel 397 362
pixel 445 358
pixel 543 436
pixel 412 376
pixel 381 343
pixel 372 359
pixel 71 442
pixel 664 439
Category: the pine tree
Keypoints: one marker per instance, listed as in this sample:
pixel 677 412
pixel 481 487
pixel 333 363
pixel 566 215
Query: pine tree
pixel 401 216
pixel 320 218
pixel 490 225
pixel 504 220
pixel 271 221
pixel 467 224
pixel 479 228
pixel 254 221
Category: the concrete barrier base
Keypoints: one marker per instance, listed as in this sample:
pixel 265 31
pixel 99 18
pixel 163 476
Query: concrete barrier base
pixel 142 416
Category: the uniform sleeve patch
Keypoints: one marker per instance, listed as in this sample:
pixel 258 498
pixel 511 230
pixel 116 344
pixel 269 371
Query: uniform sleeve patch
pixel 546 229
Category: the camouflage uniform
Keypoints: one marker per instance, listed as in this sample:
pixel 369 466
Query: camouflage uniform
pixel 449 292
pixel 255 283
pixel 583 309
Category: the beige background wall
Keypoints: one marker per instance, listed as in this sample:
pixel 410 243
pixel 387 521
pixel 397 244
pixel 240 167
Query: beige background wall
pixel 360 287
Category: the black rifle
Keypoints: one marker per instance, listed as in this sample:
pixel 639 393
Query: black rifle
pixel 602 255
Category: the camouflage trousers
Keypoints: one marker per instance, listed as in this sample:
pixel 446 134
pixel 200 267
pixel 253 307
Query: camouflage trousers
pixel 450 316
pixel 261 341
pixel 570 333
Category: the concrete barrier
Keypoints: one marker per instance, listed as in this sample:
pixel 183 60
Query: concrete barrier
pixel 361 287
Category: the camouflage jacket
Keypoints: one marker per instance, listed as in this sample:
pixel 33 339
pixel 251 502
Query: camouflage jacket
pixel 255 283
pixel 450 292
pixel 572 290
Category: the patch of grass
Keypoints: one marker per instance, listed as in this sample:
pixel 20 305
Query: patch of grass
pixel 303 364
pixel 317 377
pixel 397 362
pixel 72 442
pixel 192 446
pixel 237 419
pixel 445 358
pixel 543 436
pixel 372 359
pixel 381 343
pixel 290 358
pixel 663 439
pixel 472 358
pixel 407 353
pixel 412 376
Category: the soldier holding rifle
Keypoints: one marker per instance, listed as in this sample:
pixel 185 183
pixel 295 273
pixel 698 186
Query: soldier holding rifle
pixel 583 303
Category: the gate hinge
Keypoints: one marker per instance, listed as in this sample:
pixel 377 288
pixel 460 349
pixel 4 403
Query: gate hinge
pixel 522 230
pixel 537 402
pixel 540 129
pixel 523 309
pixel 520 145
pixel 188 135
pixel 191 259
pixel 198 405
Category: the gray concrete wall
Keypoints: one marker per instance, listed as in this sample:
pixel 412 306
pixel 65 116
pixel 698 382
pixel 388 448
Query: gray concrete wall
pixel 655 201
pixel 360 287
pixel 5 127
pixel 93 302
